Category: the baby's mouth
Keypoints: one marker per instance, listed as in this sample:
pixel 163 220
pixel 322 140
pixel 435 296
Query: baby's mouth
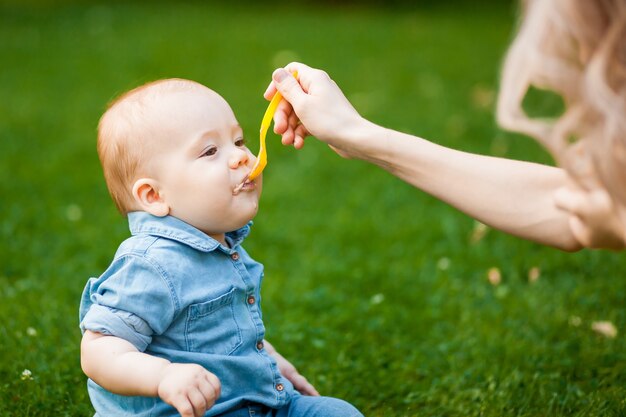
pixel 245 185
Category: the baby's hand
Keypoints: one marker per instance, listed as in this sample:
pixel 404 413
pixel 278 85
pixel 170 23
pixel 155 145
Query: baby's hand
pixel 189 388
pixel 291 373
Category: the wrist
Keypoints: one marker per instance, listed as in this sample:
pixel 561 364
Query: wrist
pixel 161 375
pixel 367 141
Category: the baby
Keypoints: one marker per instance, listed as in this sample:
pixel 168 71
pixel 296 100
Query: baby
pixel 173 326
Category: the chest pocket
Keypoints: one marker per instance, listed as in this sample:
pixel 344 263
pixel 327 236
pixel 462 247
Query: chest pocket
pixel 212 327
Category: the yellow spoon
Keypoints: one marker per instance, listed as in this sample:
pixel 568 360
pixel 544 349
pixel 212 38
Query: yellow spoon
pixel 261 160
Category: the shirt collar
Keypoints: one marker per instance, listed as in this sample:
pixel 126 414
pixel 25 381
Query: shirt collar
pixel 173 228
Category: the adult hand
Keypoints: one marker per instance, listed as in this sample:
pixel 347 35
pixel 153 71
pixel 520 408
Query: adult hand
pixel 189 388
pixel 290 372
pixel 314 105
pixel 594 219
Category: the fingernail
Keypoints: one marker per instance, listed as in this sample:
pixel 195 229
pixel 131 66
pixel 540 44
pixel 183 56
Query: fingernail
pixel 280 74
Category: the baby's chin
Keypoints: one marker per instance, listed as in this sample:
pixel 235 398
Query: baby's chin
pixel 247 204
pixel 245 215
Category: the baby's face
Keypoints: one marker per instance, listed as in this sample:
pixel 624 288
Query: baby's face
pixel 200 158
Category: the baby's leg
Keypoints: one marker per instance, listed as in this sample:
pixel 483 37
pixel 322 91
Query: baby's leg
pixel 305 406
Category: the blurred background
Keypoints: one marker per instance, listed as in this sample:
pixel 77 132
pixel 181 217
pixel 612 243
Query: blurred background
pixel 378 293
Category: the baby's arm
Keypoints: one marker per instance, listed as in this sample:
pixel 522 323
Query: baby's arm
pixel 119 367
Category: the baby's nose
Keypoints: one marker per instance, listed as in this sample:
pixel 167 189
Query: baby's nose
pixel 239 158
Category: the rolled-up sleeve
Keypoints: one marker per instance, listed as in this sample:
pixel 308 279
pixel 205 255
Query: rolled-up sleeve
pixel 132 300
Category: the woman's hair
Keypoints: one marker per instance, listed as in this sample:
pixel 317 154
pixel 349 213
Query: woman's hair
pixel 124 136
pixel 576 48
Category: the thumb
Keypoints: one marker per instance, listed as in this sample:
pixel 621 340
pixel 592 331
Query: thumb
pixel 288 86
pixel 568 200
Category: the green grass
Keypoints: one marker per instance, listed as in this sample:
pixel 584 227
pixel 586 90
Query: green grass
pixel 357 294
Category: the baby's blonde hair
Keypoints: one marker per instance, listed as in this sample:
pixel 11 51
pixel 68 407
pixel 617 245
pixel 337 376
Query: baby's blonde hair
pixel 124 133
pixel 576 48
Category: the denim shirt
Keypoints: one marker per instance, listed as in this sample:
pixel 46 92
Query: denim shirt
pixel 176 293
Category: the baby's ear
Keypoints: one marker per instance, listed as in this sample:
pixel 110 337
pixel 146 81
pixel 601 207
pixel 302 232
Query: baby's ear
pixel 146 194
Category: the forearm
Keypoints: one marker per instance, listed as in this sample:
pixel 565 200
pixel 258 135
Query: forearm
pixel 513 196
pixel 119 367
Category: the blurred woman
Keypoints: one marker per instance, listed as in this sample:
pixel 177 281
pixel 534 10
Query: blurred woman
pixel 576 48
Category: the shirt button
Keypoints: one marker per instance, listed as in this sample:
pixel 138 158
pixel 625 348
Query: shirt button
pixel 259 345
pixel 279 387
pixel 234 256
pixel 251 300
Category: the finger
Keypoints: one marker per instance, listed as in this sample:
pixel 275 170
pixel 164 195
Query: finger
pixel 600 198
pixel 288 87
pixel 291 67
pixel 580 231
pixel 298 142
pixel 215 383
pixel 293 120
pixel 570 201
pixel 307 76
pixel 304 386
pixel 298 66
pixel 288 137
pixel 294 124
pixel 209 392
pixel 281 117
pixel 300 135
pixel 270 91
pixel 198 402
pixel 183 406
pixel 302 131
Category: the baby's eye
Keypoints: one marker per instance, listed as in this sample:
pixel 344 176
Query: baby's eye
pixel 210 151
pixel 240 142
